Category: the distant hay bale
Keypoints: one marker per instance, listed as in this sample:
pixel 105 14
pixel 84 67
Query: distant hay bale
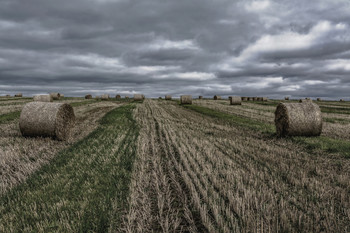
pixel 286 98
pixel 200 97
pixel 235 100
pixel 259 98
pixel 19 95
pixel 143 97
pixel 264 99
pixel 88 96
pixel 186 99
pixel 342 100
pixel 62 96
pixel 138 97
pixel 255 98
pixel 306 100
pixel 55 95
pixel 98 97
pixel 105 97
pixel 168 97
pixel 47 119
pixel 244 98
pixel 126 97
pixel 118 97
pixel 318 99
pixel 217 97
pixel 298 119
pixel 43 98
pixel 249 98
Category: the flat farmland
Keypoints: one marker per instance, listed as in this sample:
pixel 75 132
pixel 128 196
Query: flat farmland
pixel 157 166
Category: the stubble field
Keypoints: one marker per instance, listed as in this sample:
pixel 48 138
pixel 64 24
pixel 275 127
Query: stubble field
pixel 157 166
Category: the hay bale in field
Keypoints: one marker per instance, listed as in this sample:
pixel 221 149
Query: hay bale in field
pixel 249 98
pixel 138 97
pixel 306 100
pixel 235 100
pixel 88 96
pixel 259 98
pixel 62 96
pixel 186 99
pixel 255 98
pixel 342 100
pixel 143 97
pixel 126 97
pixel 265 99
pixel 298 119
pixel 168 97
pixel 217 97
pixel 105 97
pixel 118 97
pixel 98 97
pixel 47 119
pixel 43 98
pixel 244 98
pixel 318 99
pixel 55 95
pixel 200 97
pixel 19 95
pixel 286 98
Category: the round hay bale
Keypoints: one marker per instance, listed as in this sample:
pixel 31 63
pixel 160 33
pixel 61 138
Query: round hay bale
pixel 19 95
pixel 118 97
pixel 138 97
pixel 143 97
pixel 298 119
pixel 47 119
pixel 286 98
pixel 319 99
pixel 200 97
pixel 88 96
pixel 250 98
pixel 62 96
pixel 105 97
pixel 254 98
pixel 265 99
pixel 235 100
pixel 55 96
pixel 259 98
pixel 168 97
pixel 217 97
pixel 342 100
pixel 126 97
pixel 244 98
pixel 43 98
pixel 186 99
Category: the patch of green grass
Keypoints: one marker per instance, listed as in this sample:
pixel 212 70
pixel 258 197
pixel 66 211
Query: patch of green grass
pixel 310 143
pixel 336 120
pixel 84 188
pixel 17 98
pixel 335 110
pixel 4 118
pixel 76 104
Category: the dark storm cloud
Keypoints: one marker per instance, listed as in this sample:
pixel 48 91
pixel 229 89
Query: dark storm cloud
pixel 202 47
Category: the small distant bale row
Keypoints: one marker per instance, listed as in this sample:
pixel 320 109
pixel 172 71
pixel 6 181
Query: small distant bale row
pixel 186 99
pixel 254 98
pixel 40 119
pixel 298 119
pixel 19 95
pixel 43 98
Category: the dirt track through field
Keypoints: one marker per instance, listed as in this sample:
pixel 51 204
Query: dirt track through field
pixel 194 173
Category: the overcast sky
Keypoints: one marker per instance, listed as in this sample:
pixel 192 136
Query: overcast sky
pixel 157 47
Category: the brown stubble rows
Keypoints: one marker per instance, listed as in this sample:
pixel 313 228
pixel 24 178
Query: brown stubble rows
pixel 21 156
pixel 233 179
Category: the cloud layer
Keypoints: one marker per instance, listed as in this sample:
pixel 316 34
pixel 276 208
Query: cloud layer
pixel 156 47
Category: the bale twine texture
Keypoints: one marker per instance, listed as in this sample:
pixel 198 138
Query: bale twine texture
pixel 138 97
pixel 186 99
pixel 168 97
pixel 236 100
pixel 47 119
pixel 88 96
pixel 55 96
pixel 43 98
pixel 298 119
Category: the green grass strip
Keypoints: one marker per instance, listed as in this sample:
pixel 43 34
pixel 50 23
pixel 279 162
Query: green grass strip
pixel 4 118
pixel 84 188
pixel 81 103
pixel 310 143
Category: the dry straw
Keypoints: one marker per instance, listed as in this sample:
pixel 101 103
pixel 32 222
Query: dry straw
pixel 47 120
pixel 43 98
pixel 186 99
pixel 138 97
pixel 168 97
pixel 298 119
pixel 19 95
pixel 217 97
pixel 88 96
pixel 105 97
pixel 55 95
pixel 235 100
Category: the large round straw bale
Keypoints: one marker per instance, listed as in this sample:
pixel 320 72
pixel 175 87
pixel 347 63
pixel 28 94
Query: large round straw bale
pixel 200 97
pixel 298 119
pixel 43 98
pixel 117 97
pixel 88 96
pixel 235 100
pixel 55 95
pixel 168 97
pixel 286 98
pixel 138 97
pixel 19 95
pixel 186 99
pixel 105 97
pixel 217 97
pixel 47 119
